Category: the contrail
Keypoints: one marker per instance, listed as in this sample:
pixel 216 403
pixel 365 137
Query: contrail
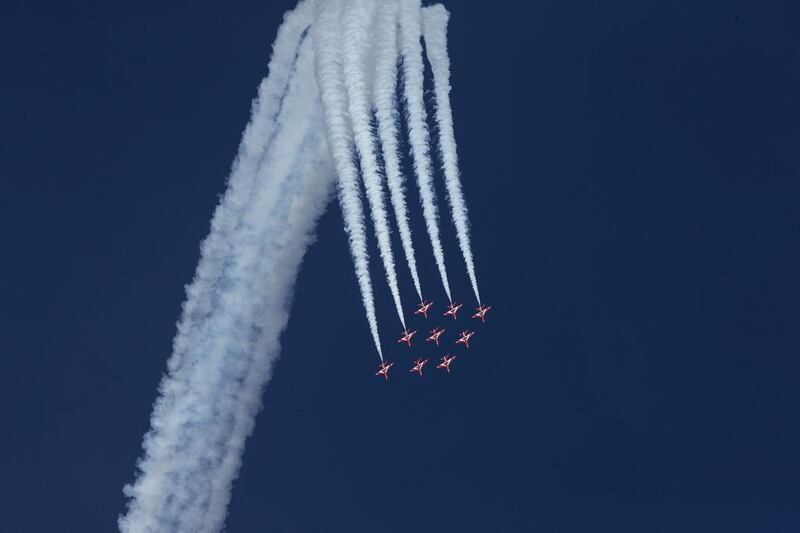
pixel 210 395
pixel 434 23
pixel 325 34
pixel 384 97
pixel 411 52
pixel 358 16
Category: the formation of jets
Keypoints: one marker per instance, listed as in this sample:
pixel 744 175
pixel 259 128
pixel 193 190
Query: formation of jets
pixel 434 337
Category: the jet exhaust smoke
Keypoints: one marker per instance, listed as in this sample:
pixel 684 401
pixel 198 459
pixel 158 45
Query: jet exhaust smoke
pixel 419 139
pixel 354 50
pixel 325 34
pixel 434 19
pixel 386 114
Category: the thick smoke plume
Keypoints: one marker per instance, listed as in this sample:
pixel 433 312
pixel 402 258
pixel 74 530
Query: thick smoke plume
pixel 222 360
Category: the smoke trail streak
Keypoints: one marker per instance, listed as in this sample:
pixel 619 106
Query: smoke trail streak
pixel 256 138
pixel 434 24
pixel 307 202
pixel 411 52
pixel 354 50
pixel 385 105
pixel 325 34
pixel 210 396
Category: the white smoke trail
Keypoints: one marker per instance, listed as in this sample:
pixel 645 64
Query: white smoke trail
pixel 413 72
pixel 256 138
pixel 385 111
pixel 210 395
pixel 311 193
pixel 358 16
pixel 434 24
pixel 327 47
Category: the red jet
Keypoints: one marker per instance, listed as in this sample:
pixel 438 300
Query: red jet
pixel 452 310
pixel 423 309
pixel 446 360
pixel 418 366
pixel 407 335
pixel 435 334
pixel 481 312
pixel 384 370
pixel 466 335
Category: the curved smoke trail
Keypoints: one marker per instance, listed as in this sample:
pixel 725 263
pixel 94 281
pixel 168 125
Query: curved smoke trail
pixel 209 397
pixel 256 138
pixel 325 34
pixel 384 96
pixel 358 16
pixel 434 21
pixel 411 51
pixel 306 201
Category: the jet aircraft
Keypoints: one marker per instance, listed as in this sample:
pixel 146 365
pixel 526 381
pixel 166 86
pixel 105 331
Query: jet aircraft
pixel 435 334
pixel 407 336
pixel 452 310
pixel 384 370
pixel 418 366
pixel 446 360
pixel 423 309
pixel 481 311
pixel 466 335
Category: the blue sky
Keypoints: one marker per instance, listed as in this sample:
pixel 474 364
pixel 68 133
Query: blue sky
pixel 631 172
